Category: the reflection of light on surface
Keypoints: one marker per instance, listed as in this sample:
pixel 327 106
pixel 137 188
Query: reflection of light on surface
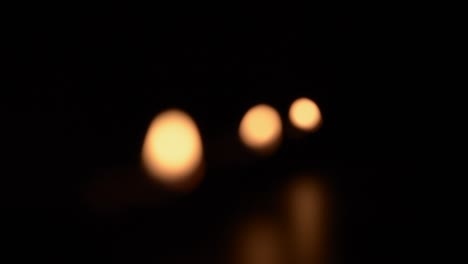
pixel 172 150
pixel 306 203
pixel 258 241
pixel 305 114
pixel 260 128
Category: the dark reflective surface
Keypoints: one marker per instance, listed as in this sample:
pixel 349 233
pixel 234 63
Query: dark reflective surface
pixel 85 86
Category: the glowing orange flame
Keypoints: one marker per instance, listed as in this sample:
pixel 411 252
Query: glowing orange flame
pixel 305 114
pixel 260 128
pixel 172 150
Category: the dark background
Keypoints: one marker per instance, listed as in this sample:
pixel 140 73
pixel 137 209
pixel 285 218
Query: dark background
pixel 85 85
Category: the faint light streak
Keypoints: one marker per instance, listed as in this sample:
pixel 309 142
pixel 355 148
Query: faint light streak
pixel 306 206
pixel 258 241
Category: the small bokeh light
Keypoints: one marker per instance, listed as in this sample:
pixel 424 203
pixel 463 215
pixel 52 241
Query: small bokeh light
pixel 172 150
pixel 305 115
pixel 260 129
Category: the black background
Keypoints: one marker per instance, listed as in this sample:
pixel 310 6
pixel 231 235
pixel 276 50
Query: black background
pixel 86 83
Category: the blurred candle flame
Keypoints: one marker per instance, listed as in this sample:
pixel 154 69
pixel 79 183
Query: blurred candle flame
pixel 260 128
pixel 305 114
pixel 172 150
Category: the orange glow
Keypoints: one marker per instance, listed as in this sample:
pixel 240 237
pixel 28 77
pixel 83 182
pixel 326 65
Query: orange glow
pixel 172 150
pixel 260 128
pixel 258 241
pixel 305 114
pixel 306 206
